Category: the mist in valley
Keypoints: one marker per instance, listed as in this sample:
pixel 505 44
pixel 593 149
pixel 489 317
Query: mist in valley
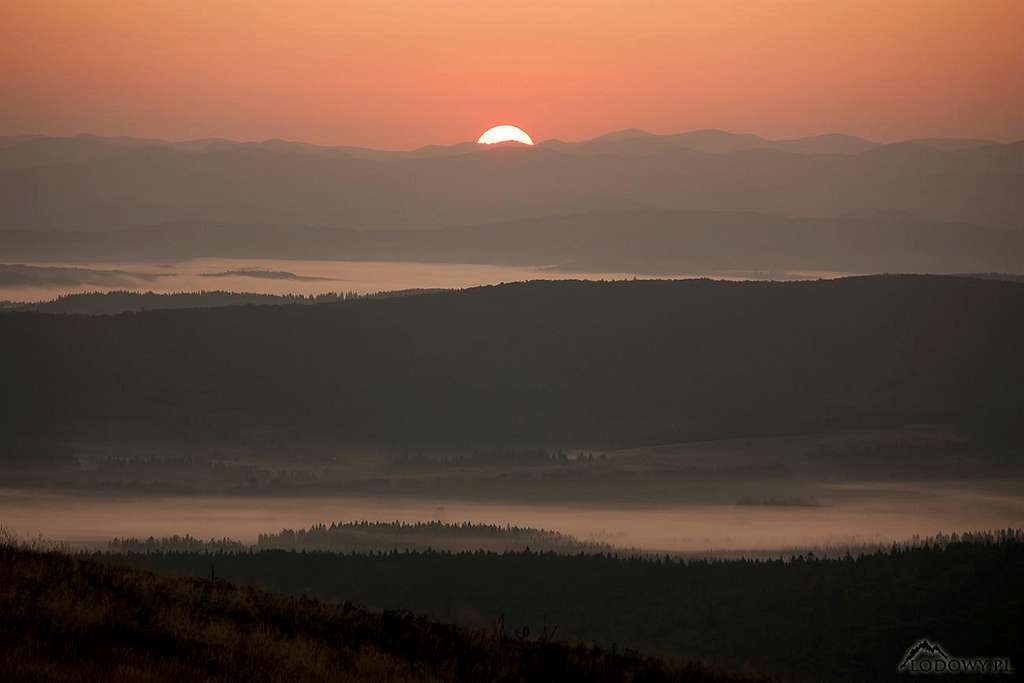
pixel 846 521
pixel 684 406
pixel 40 282
pixel 829 493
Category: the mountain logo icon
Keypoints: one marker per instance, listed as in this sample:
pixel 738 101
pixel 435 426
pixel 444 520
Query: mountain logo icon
pixel 928 657
pixel 924 649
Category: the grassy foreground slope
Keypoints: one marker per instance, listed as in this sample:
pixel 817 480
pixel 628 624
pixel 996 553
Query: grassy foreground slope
pixel 804 619
pixel 73 619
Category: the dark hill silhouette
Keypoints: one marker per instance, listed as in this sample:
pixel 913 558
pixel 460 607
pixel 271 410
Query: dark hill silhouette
pixel 609 363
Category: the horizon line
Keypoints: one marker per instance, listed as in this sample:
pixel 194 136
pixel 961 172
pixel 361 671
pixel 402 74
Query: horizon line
pixel 640 132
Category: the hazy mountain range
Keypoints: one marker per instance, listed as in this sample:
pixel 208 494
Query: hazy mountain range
pixel 701 201
pixel 35 150
pixel 654 241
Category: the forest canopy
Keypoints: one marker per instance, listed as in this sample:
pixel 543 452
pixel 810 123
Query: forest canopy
pixel 601 363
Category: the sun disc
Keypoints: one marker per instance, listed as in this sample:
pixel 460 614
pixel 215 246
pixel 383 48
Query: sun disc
pixel 505 133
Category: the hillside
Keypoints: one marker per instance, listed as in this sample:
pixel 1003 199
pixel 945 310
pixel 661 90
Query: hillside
pixel 73 619
pixel 800 618
pixel 573 363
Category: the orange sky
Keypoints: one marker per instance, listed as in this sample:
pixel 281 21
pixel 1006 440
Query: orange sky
pixel 402 73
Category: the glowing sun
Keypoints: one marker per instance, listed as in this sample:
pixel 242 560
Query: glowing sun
pixel 505 134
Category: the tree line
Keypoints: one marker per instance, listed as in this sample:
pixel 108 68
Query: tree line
pixel 806 617
pixel 592 364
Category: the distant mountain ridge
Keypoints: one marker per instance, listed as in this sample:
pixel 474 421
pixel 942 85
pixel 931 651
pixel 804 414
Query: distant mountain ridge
pixel 640 240
pixel 722 142
pixel 32 150
pixel 93 184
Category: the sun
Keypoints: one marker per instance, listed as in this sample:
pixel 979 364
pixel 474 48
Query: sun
pixel 505 134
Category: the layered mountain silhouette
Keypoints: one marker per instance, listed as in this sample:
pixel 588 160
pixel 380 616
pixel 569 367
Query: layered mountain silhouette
pixel 107 184
pixel 654 241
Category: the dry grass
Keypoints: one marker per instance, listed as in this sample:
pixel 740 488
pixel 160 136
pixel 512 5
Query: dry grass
pixel 72 619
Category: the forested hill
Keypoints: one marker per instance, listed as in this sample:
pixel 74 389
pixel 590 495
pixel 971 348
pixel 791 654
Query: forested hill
pixel 797 619
pixel 109 303
pixel 607 363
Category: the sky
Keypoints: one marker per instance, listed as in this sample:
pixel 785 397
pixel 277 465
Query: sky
pixel 397 74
